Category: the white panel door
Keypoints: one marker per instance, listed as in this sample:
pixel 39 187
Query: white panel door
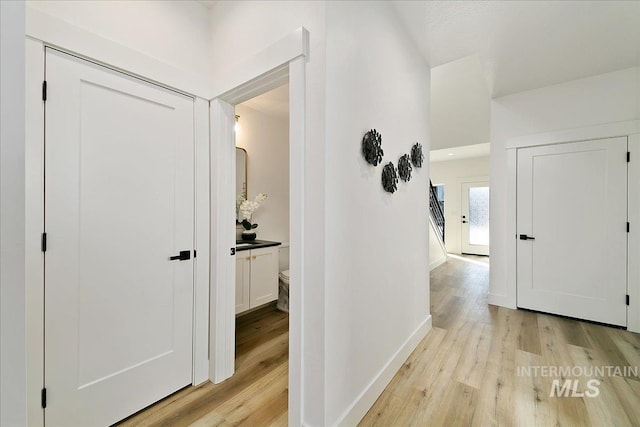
pixel 119 203
pixel 475 218
pixel 572 230
pixel 264 276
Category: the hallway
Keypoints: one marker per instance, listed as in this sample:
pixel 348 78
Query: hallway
pixel 469 368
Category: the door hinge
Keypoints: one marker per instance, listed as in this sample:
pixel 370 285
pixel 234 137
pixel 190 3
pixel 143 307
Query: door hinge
pixel 627 299
pixel 43 242
pixel 628 227
pixel 194 253
pixel 628 156
pixel 43 398
pixel 44 90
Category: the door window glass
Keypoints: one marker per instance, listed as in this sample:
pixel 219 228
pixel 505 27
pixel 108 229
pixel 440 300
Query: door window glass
pixel 479 215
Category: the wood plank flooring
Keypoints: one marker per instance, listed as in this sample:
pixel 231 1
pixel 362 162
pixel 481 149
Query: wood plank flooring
pixel 465 372
pixel 255 396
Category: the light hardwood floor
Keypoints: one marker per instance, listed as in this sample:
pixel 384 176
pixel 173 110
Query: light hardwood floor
pixel 465 372
pixel 255 396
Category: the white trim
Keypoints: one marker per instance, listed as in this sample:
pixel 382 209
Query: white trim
pixel 61 34
pixel 589 133
pixel 499 300
pixel 512 230
pixel 34 226
pixel 606 130
pixel 274 57
pixel 361 405
pixel 232 88
pixel 633 255
pixel 437 263
pixel 202 243
pixel 473 179
pixel 297 180
pixel 223 239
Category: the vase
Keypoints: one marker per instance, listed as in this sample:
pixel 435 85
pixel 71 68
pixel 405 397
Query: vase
pixel 249 234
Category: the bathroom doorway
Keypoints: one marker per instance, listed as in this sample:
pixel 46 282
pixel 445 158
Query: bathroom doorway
pixel 262 247
pixel 280 63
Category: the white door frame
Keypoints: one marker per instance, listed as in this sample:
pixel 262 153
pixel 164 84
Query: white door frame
pixel 271 68
pixel 463 195
pixel 631 129
pixel 44 30
pixel 288 53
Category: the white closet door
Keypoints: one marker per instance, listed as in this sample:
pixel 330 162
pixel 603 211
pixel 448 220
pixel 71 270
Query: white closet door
pixel 119 203
pixel 572 215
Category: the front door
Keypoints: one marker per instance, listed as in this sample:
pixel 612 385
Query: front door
pixel 572 230
pixel 475 218
pixel 118 204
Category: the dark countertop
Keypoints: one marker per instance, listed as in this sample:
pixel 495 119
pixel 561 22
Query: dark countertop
pixel 255 244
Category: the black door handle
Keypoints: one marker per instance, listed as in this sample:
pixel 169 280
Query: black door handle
pixel 525 237
pixel 183 256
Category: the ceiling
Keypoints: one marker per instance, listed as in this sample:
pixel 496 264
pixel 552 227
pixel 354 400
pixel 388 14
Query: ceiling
pixel 524 45
pixel 457 153
pixel 273 103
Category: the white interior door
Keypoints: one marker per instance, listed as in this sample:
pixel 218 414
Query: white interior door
pixel 119 203
pixel 572 215
pixel 475 218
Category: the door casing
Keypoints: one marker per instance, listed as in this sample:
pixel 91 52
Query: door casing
pixel 631 129
pixel 104 52
pixel 554 288
pixel 464 229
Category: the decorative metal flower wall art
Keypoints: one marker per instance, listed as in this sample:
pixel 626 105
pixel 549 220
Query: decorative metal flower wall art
pixel 389 178
pixel 416 155
pixel 404 168
pixel 372 147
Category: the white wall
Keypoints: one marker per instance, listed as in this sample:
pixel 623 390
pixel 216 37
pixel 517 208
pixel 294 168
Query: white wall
pixel 266 139
pixel 367 251
pixel 437 252
pixel 174 32
pixel 460 104
pixel 377 261
pixel 606 98
pixel 452 174
pixel 13 407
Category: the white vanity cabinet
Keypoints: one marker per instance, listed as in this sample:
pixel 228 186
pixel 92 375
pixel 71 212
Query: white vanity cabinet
pixel 256 277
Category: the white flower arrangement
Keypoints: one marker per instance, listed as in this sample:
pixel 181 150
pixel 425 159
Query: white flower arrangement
pixel 245 208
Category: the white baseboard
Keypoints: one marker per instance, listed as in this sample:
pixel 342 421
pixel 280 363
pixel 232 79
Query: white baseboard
pixel 437 263
pixel 359 408
pixel 499 300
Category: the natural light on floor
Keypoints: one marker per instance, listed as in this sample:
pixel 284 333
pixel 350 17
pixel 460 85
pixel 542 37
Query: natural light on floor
pixel 469 260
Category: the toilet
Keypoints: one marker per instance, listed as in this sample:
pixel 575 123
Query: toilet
pixel 283 291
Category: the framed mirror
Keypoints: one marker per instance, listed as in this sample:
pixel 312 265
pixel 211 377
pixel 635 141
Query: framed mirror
pixel 241 172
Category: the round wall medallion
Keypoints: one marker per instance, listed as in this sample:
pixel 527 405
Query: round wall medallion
pixel 404 168
pixel 416 155
pixel 389 178
pixel 372 147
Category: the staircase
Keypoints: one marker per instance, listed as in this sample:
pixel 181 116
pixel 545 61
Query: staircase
pixel 437 213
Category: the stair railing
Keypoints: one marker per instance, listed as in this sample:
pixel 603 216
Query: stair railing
pixel 436 211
